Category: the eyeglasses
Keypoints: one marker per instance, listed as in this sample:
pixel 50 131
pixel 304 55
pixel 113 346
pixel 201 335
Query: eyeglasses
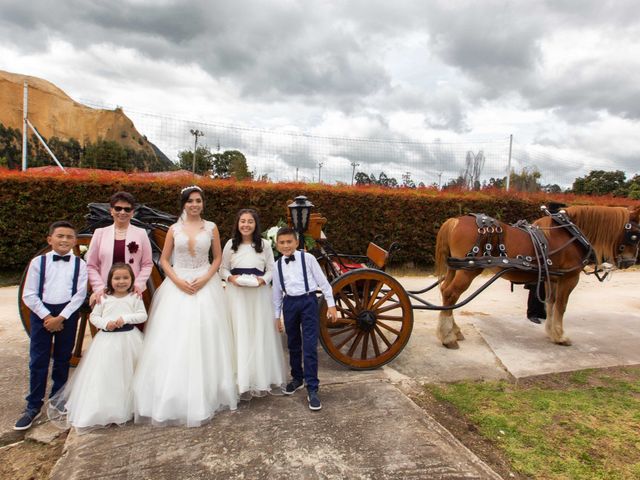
pixel 126 209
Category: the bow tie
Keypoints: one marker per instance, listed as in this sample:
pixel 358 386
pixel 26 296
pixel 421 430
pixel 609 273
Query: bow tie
pixel 292 258
pixel 64 258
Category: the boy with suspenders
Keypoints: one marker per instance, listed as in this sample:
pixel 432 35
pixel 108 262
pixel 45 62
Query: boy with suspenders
pixel 54 291
pixel 298 277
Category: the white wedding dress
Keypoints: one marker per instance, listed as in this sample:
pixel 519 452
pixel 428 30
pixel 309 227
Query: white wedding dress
pixel 185 372
pixel 260 362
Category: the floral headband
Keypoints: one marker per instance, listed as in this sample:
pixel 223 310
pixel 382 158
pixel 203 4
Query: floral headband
pixel 191 187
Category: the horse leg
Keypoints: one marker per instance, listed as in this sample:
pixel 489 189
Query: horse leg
pixel 555 311
pixel 445 283
pixel 454 285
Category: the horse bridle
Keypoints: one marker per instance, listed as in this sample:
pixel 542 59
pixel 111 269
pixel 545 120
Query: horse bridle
pixel 631 238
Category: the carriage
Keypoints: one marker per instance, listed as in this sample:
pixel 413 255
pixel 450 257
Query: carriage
pixel 375 312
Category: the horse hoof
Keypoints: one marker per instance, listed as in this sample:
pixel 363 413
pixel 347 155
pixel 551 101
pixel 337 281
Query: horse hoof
pixel 459 336
pixel 452 345
pixel 565 342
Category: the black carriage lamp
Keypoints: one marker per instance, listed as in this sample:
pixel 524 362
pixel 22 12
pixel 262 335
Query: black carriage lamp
pixel 300 211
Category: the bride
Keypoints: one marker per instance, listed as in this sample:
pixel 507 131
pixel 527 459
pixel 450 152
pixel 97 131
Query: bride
pixel 185 371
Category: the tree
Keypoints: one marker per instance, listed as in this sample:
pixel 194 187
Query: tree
pixel 498 183
pixel 231 163
pixel 407 181
pixel 475 164
pixel 633 188
pixel 385 181
pixel 362 178
pixel 601 182
pixel 203 160
pixel 552 188
pixel 525 181
pixel 455 183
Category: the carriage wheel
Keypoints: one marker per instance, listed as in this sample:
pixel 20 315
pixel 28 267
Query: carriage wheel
pixel 374 322
pixel 83 241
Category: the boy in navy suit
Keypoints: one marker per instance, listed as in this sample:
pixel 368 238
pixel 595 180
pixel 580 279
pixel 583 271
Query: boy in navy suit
pixel 54 291
pixel 298 277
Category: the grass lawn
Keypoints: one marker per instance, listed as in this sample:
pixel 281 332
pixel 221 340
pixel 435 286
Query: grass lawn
pixel 581 425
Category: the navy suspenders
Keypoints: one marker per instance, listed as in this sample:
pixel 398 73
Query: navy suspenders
pixel 76 274
pixel 43 269
pixel 304 273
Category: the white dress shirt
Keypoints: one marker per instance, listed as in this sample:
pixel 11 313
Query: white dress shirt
pixel 294 280
pixel 130 308
pixel 58 284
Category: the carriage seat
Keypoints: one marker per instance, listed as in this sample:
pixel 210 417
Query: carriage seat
pixel 376 255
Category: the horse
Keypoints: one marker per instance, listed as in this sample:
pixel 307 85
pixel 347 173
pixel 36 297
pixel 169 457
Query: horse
pixel 603 234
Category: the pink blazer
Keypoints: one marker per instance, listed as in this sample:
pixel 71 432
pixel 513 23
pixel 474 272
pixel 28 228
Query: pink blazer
pixel 137 254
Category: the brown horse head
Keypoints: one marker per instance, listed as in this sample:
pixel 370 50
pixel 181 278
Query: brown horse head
pixel 627 254
pixel 613 232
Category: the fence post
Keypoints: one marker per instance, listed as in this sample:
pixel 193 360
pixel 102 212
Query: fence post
pixel 25 131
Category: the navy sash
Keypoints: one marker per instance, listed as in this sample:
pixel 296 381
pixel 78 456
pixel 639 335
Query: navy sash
pixel 124 328
pixel 247 271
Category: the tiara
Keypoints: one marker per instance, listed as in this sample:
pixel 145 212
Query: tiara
pixel 190 187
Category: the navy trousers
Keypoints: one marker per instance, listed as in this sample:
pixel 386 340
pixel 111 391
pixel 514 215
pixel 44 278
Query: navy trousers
pixel 40 355
pixel 301 324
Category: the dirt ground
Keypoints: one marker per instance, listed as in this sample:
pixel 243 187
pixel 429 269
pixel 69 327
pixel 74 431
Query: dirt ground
pixel 29 459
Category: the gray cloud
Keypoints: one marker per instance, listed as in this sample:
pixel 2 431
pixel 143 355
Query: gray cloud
pixel 315 57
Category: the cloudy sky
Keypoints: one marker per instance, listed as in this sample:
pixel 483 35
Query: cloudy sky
pixel 562 76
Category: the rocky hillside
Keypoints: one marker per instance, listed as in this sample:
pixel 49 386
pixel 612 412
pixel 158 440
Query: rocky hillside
pixel 55 114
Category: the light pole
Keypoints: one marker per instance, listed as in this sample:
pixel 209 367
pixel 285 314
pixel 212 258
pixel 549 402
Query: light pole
pixel 353 172
pixel 196 134
pixel 319 170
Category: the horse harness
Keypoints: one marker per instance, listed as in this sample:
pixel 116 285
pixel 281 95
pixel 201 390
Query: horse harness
pixel 490 238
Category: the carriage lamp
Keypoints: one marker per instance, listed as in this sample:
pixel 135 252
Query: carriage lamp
pixel 300 211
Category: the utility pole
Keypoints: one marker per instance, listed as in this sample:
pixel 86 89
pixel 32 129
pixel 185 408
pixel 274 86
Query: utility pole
pixel 319 171
pixel 296 174
pixel 196 134
pixel 439 180
pixel 353 173
pixel 509 162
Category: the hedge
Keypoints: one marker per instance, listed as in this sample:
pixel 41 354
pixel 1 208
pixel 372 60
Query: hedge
pixel 30 201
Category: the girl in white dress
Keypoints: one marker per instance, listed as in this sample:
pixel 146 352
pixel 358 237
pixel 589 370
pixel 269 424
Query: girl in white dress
pixel 185 373
pixel 100 392
pixel 247 266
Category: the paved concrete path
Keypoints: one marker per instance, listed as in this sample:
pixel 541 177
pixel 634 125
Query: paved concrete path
pixel 368 427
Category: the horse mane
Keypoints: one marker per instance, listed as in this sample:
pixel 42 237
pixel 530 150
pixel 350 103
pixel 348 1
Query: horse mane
pixel 602 226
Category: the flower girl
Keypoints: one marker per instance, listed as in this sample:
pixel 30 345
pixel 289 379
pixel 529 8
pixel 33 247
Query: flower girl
pixel 100 392
pixel 247 266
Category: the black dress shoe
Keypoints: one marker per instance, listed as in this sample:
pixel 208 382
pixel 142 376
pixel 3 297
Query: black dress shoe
pixel 536 320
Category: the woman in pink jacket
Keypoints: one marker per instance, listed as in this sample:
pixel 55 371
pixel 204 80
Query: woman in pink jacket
pixel 119 242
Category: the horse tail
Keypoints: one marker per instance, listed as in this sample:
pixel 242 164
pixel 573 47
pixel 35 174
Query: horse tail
pixel 443 249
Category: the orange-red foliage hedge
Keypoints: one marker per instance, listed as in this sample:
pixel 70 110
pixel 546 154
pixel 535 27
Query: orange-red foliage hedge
pixel 30 201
